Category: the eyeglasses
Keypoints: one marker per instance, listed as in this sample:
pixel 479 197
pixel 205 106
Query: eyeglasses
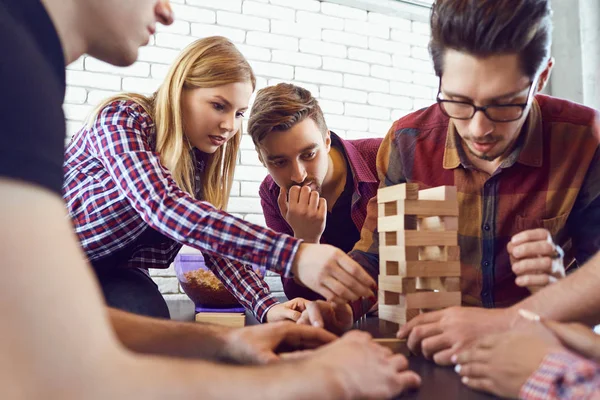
pixel 494 112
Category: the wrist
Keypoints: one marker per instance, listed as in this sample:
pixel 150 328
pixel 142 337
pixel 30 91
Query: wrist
pixel 307 238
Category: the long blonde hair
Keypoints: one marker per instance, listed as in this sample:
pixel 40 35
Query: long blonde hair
pixel 206 63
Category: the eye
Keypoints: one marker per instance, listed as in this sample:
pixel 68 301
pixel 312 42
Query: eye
pixel 278 163
pixel 240 114
pixel 218 106
pixel 309 156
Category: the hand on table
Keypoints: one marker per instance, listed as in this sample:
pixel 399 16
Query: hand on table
pixel 440 334
pixel 305 211
pixel 289 311
pixel 363 369
pixel 331 273
pixel 331 316
pixel 535 259
pixel 501 363
pixel 261 344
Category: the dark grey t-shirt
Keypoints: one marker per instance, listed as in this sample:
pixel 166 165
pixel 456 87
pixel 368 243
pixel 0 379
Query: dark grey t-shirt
pixel 32 88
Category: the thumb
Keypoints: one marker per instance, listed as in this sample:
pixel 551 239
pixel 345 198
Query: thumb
pixel 576 337
pixel 290 314
pixel 282 202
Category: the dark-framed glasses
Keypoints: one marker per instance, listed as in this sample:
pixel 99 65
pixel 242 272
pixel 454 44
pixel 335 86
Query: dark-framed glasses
pixel 494 112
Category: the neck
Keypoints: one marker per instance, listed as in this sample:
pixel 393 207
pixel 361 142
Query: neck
pixel 488 166
pixel 67 21
pixel 335 180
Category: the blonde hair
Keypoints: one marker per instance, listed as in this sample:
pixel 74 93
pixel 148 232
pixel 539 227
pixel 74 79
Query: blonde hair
pixel 206 63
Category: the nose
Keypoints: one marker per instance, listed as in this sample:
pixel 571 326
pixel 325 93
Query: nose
pixel 298 173
pixel 163 12
pixel 228 122
pixel 480 125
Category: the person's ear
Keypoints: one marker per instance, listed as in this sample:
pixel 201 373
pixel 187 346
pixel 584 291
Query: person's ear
pixel 545 75
pixel 328 140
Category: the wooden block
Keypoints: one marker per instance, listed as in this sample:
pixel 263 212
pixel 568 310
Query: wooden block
pixel 439 193
pixel 424 238
pixel 398 192
pixel 451 284
pixel 397 314
pixel 387 297
pixel 429 269
pixel 452 253
pixel 431 300
pixel 232 320
pixel 450 223
pixel 394 344
pixel 397 284
pixel 433 283
pixel 428 208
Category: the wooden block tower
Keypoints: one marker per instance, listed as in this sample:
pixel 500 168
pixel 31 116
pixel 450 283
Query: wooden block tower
pixel 419 257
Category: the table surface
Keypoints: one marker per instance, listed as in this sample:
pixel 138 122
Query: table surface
pixel 436 382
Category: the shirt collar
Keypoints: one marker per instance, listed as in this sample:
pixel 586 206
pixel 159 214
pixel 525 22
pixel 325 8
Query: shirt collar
pixel 529 150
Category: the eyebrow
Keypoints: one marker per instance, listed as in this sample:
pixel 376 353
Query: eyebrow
pixel 304 150
pixel 501 97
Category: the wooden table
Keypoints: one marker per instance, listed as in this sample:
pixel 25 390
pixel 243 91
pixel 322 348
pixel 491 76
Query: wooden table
pixel 437 382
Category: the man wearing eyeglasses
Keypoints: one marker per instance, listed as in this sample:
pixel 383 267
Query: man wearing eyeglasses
pixel 526 165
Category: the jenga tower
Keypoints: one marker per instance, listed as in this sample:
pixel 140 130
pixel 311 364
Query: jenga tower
pixel 419 257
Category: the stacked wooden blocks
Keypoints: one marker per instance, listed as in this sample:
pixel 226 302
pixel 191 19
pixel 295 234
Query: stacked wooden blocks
pixel 419 257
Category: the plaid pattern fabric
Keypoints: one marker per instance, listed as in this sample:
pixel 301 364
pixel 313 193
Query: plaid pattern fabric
pixel 551 180
pixel 115 186
pixel 563 375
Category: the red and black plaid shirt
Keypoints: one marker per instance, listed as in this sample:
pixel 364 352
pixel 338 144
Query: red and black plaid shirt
pixel 115 187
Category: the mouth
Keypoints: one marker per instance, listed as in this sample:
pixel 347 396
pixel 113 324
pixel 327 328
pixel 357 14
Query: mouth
pixel 217 140
pixel 483 147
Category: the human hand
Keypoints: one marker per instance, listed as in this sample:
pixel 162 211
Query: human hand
pixel 331 316
pixel 440 334
pixel 362 369
pixel 501 363
pixel 262 344
pixel 331 273
pixel 289 311
pixel 535 259
pixel 577 337
pixel 305 211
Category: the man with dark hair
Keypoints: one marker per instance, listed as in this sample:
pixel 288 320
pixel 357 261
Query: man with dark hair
pixel 319 184
pixel 526 166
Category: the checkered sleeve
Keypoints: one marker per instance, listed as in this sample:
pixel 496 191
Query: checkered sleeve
pixel 244 283
pixel 366 251
pixel 119 139
pixel 563 375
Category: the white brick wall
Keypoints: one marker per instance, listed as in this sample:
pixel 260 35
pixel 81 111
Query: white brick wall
pixel 366 68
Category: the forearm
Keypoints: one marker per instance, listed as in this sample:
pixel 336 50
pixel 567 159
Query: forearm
pixel 574 298
pixel 169 338
pixel 184 379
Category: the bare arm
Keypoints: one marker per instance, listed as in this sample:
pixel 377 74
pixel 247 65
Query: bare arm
pixel 56 339
pixel 575 298
pixel 170 338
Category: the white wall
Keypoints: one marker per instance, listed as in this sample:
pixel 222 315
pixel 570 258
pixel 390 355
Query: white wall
pixel 366 68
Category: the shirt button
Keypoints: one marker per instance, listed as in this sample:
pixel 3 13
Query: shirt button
pixel 487 185
pixel 484 294
pixel 487 227
pixel 486 263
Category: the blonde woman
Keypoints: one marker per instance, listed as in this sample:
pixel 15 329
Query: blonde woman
pixel 149 174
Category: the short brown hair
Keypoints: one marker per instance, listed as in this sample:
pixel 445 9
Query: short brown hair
pixel 488 27
pixel 280 107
